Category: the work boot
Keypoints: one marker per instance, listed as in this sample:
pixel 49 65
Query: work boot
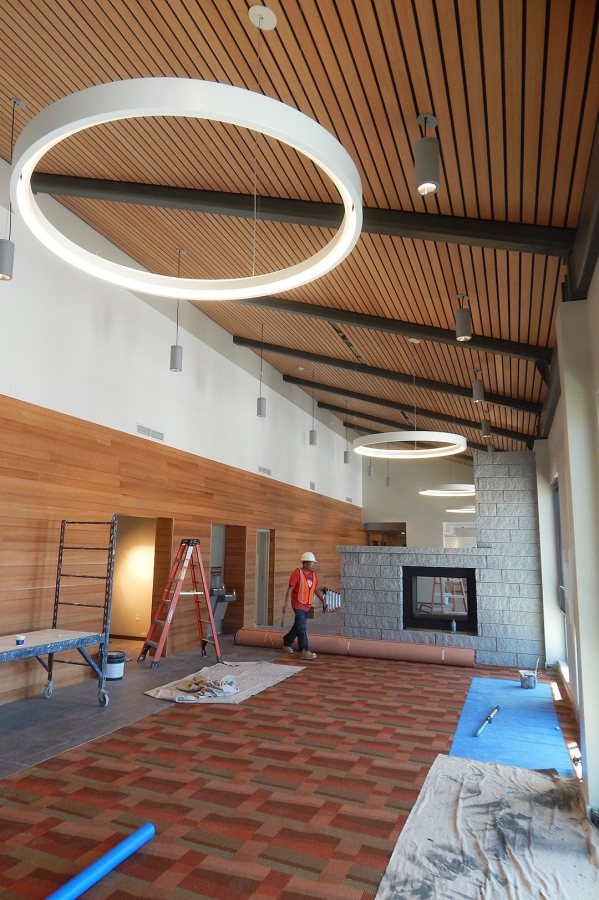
pixel 307 654
pixel 287 648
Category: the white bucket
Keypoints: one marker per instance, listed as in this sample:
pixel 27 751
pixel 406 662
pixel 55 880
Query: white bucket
pixel 115 665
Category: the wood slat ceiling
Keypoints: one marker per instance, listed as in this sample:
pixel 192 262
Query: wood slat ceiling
pixel 514 85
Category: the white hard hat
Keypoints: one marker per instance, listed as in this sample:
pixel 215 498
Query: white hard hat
pixel 308 557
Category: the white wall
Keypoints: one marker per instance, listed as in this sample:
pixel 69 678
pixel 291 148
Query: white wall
pixel 401 502
pixel 74 344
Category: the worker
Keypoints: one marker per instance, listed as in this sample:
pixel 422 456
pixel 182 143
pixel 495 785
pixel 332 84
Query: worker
pixel 303 584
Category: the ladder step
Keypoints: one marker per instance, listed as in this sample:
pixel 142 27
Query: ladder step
pixel 159 621
pixel 150 644
pixel 85 548
pixel 72 575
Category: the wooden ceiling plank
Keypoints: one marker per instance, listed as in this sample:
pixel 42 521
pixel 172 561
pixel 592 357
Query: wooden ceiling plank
pixel 468 108
pixel 555 58
pixel 534 50
pixel 513 12
pixel 495 119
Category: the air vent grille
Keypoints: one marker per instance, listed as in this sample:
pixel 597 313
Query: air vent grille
pixel 312 485
pixel 264 470
pixel 150 432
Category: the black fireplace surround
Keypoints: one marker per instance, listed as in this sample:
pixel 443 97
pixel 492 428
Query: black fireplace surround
pixel 434 598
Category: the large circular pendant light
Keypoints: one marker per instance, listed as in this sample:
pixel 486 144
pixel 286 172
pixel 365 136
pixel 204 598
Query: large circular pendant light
pixel 450 490
pixel 191 98
pixel 370 446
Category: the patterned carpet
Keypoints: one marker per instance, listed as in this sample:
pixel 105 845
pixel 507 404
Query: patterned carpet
pixel 300 792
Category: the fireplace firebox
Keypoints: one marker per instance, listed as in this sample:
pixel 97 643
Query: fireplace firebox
pixel 435 598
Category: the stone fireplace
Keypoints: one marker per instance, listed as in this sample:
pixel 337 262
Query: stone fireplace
pixel 508 629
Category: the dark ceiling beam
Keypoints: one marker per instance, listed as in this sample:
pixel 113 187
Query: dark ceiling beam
pixel 400 377
pixel 388 423
pixel 406 408
pixel 583 258
pixel 550 404
pixel 528 352
pixel 542 239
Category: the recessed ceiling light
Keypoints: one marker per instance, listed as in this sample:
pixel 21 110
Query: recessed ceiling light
pixel 413 340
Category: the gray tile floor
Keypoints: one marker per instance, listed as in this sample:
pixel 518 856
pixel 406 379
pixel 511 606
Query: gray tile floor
pixel 36 729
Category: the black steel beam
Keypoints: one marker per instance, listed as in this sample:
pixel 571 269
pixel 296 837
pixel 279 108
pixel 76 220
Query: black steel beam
pixel 551 401
pixel 541 239
pixel 528 352
pixel 406 408
pixel 400 377
pixel 583 258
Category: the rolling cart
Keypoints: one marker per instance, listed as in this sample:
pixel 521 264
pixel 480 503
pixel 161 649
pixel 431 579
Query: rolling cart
pixel 83 581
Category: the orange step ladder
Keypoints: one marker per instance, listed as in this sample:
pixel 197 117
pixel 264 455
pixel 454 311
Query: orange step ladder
pixel 188 559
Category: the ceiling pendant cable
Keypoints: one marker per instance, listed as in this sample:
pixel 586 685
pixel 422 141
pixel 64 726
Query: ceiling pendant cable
pixel 7 247
pixel 176 348
pixel 312 437
pixel 261 401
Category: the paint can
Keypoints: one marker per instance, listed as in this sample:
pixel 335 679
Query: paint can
pixel 115 665
pixel 528 680
pixel 20 640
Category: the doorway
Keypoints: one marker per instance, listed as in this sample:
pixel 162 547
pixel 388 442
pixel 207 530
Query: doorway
pixel 262 579
pixel 141 568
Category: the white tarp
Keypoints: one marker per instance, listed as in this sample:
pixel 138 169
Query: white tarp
pixel 493 832
pixel 248 678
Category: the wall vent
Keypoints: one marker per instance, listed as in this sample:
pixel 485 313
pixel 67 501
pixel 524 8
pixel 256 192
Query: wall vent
pixel 348 500
pixel 264 470
pixel 150 432
pixel 312 485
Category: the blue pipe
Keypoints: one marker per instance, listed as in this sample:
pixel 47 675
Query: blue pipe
pixel 105 864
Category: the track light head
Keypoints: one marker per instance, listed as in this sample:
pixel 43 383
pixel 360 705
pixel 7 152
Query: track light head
pixel 463 320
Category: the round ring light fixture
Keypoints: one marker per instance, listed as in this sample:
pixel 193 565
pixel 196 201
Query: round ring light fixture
pixel 451 444
pixel 450 490
pixel 191 98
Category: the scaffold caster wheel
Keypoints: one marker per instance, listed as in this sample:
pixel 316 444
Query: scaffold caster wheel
pixel 103 698
pixel 48 690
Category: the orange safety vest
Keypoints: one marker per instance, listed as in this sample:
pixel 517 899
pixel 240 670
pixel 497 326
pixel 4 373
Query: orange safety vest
pixel 302 595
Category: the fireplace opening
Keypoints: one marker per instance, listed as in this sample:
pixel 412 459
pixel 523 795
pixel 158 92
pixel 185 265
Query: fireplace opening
pixel 434 598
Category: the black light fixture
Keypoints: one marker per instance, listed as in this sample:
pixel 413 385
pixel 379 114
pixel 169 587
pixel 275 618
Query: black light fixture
pixel 176 348
pixel 261 401
pixel 7 247
pixel 312 437
pixel 426 158
pixel 463 320
pixel 485 429
pixel 478 388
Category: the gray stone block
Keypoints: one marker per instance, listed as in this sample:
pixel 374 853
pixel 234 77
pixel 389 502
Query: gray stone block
pixel 468 641
pixel 485 658
pixel 509 631
pixel 354 571
pixel 528 523
pixel 353 583
pixel 483 508
pixel 488 495
pixel 390 572
pixel 409 637
pixel 496 521
pixel 519 483
pixel 392 597
pixel 527 661
pixel 486 470
pixel 382 610
pixel 490 591
pixel 529 537
pixel 494 535
pixel 513 509
pixel 372 634
pixel 510 645
pixel 524 604
pixel 487 576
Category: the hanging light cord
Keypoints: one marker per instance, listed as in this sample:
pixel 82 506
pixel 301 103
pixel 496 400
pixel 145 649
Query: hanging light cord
pixel 261 354
pixel 180 251
pixel 312 398
pixel 12 140
pixel 255 160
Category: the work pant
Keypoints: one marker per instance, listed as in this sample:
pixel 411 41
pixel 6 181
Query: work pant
pixel 298 630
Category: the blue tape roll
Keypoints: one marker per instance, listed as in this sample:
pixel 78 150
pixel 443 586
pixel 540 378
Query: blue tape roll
pixel 101 867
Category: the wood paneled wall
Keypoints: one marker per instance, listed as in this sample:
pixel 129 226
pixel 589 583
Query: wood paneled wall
pixel 54 466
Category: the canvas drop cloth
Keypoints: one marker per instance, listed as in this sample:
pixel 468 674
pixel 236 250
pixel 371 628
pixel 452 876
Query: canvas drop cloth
pixel 248 678
pixel 493 832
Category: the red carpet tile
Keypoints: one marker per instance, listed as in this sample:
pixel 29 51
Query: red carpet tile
pixel 300 792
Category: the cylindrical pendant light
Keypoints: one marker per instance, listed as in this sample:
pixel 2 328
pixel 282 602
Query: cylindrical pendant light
pixel 312 437
pixel 426 158
pixel 261 401
pixel 478 388
pixel 347 457
pixel 463 320
pixel 7 256
pixel 7 247
pixel 485 428
pixel 176 358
